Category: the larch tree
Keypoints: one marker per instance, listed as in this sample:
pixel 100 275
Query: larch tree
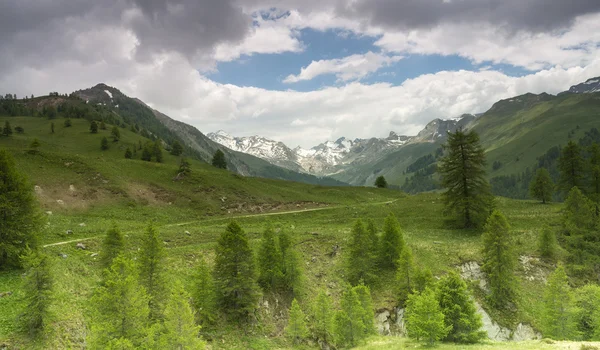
pixel 391 243
pixel 115 133
pixel 580 234
pixel 296 328
pixel 547 243
pixel 459 310
pixel 349 326
pixel 179 329
pixel 322 319
pixel 112 245
pixel 19 215
pixel 559 315
pixel 468 196
pixel 204 295
pixel 541 186
pixel 293 275
pixel 368 312
pixel 499 260
pixel 176 148
pixel 424 317
pixel 37 287
pixel 104 144
pixel 152 272
pixel 572 167
pixel 360 264
pixel 157 151
pixel 218 160
pixel 405 275
pixel 587 307
pixel 7 130
pixel 373 238
pixel 270 262
pixel 94 127
pixel 235 276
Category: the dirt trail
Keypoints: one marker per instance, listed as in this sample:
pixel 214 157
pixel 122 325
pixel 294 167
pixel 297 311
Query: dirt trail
pixel 235 217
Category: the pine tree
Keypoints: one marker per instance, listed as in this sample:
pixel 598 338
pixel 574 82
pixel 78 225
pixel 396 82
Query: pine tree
pixel 423 279
pixel 499 260
pixel 293 277
pixel 542 187
pixel 7 130
pixel 322 318
pixel 37 288
pixel 571 167
pixel 115 133
pixel 218 160
pixel 296 328
pixel 33 147
pixel 112 245
pixel 184 167
pixel 94 127
pixel 147 153
pixel 121 306
pixel 152 272
pixel 128 154
pixel 468 195
pixel 204 294
pixel 235 278
pixel 587 306
pixel 580 234
pixel 405 275
pixel 391 243
pixel 424 318
pixel 380 182
pixel 19 217
pixel 176 148
pixel 368 315
pixel 547 245
pixel 559 321
pixel 68 123
pixel 157 151
pixel 373 238
pixel 270 262
pixel 459 310
pixel 349 326
pixel 180 331
pixel 360 262
pixel 579 212
pixel 104 144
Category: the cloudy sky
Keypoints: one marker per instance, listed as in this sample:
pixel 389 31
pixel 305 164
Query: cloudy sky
pixel 302 71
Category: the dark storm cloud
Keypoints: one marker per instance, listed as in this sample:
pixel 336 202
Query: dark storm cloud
pixel 531 15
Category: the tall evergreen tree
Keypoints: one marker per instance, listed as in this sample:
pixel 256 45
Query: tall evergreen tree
pixel 33 147
pixel 176 149
pixel 270 262
pixel 587 307
pixel 115 133
pixel 293 276
pixel 184 167
pixel 571 166
pixel 547 244
pixel 128 154
pixel 373 238
pixel 218 160
pixel 499 260
pixel 121 306
pixel 204 295
pixel 7 130
pixel 559 316
pixel 462 169
pixel 322 319
pixel 405 275
pixel 104 144
pixel 366 302
pixel 94 127
pixel 180 331
pixel 391 243
pixel 296 328
pixel 381 182
pixel 152 272
pixel 349 326
pixel 37 288
pixel 147 152
pixel 19 218
pixel 541 186
pixel 157 151
pixel 360 261
pixel 68 123
pixel 423 279
pixel 234 273
pixel 112 245
pixel 424 318
pixel 459 310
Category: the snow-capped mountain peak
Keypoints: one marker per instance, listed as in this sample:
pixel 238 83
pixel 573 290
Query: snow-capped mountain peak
pixel 589 86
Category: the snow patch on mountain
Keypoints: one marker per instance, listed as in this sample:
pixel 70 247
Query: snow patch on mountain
pixel 109 94
pixel 589 86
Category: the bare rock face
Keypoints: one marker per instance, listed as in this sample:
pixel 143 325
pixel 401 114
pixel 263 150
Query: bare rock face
pixel 382 322
pixel 400 322
pixel 525 332
pixel 472 271
pixel 493 330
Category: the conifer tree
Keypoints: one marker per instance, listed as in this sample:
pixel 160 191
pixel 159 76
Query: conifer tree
pixel 594 188
pixel 366 302
pixel 571 166
pixel 147 153
pixel 293 276
pixel 349 326
pixel 587 307
pixel 180 332
pixel 235 278
pixel 424 318
pixel 462 169
pixel 19 218
pixel 176 148
pixel 391 243
pixel 541 186
pixel 322 318
pixel 459 310
pixel 152 272
pixel 184 167
pixel 128 154
pixel 7 130
pixel 361 261
pixel 380 182
pixel 104 144
pixel 102 125
pixel 121 306
pixel 578 214
pixel 204 295
pixel 112 245
pixel 94 127
pixel 499 260
pixel 296 328
pixel 547 245
pixel 68 123
pixel 115 133
pixel 218 160
pixel 423 279
pixel 270 262
pixel 37 288
pixel 33 147
pixel 559 316
pixel 581 234
pixel 405 275
pixel 157 151
pixel 373 238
